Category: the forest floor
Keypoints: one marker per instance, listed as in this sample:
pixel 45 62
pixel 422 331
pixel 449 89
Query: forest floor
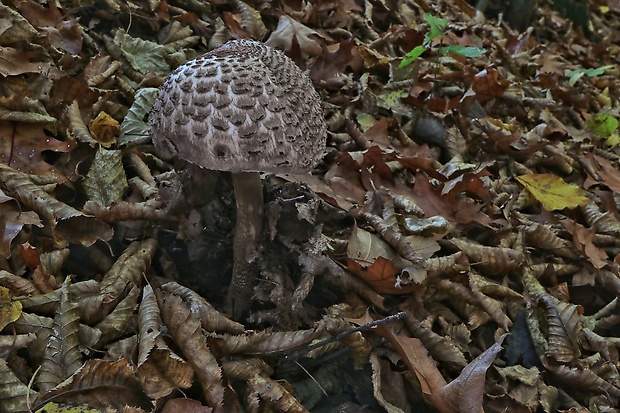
pixel 457 248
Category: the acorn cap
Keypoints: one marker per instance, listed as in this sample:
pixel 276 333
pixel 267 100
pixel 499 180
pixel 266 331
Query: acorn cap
pixel 241 107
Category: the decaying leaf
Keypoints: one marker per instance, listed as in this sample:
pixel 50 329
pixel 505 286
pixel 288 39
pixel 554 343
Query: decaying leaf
pixel 67 223
pixel 93 383
pixel 62 354
pixel 105 182
pixel 185 328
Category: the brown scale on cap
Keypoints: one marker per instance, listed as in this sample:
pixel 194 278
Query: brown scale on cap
pixel 244 108
pixel 241 107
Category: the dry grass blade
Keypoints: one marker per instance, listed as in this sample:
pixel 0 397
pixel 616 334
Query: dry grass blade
pixel 186 330
pixel 62 354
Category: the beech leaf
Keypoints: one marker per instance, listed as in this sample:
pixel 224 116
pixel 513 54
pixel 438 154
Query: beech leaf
pixel 552 192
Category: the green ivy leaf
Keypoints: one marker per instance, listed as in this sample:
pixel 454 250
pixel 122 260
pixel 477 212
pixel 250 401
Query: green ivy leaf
pixel 411 56
pixel 467 51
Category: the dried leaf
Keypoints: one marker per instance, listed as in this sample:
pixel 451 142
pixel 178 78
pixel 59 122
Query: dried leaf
pixel 104 129
pixel 12 220
pixel 185 328
pixel 95 382
pixel 14 394
pixel 465 393
pixel 127 271
pixel 67 223
pixel 62 354
pixel 105 182
pixel 289 29
pixel 21 145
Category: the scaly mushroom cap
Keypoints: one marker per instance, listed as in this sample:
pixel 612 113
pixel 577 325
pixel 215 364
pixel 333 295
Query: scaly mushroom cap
pixel 241 107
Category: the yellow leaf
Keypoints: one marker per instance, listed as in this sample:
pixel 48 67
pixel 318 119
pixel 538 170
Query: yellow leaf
pixel 552 192
pixel 104 129
pixel 9 310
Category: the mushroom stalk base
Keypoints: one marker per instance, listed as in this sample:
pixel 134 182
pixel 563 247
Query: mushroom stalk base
pixel 248 228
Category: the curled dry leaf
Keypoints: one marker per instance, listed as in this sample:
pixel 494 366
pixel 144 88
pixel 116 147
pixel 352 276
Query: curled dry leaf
pixel 67 223
pixel 266 342
pixel 580 378
pixel 92 384
pixel 77 127
pixel 128 270
pixel 62 356
pixel 493 307
pixel 563 328
pixel 211 319
pixel 186 330
pixel 492 260
pixel 160 370
pixel 441 348
pixel 121 320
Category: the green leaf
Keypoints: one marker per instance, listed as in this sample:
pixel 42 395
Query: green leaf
pixel 575 75
pixel 438 25
pixel 467 51
pixel 603 125
pixel 411 56
pixel 134 129
pixel 613 140
pixel 143 55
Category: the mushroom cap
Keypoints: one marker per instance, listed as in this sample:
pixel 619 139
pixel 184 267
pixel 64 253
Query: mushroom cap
pixel 241 107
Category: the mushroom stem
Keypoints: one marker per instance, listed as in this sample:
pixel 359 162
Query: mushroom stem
pixel 248 227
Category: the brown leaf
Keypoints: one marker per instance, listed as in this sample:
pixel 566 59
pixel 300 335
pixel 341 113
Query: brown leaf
pixel 62 34
pixel 62 354
pixel 100 384
pixel 186 330
pixel 465 393
pixel 21 145
pixel 582 238
pixel 289 29
pixel 416 358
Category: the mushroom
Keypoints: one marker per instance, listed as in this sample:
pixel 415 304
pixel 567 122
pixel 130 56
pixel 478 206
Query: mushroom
pixel 244 108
